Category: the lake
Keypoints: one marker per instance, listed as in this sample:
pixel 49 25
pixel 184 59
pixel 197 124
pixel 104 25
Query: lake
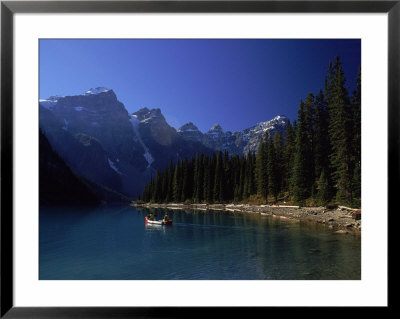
pixel 113 243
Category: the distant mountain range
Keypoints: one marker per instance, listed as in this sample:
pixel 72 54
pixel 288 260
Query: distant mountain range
pixel 100 141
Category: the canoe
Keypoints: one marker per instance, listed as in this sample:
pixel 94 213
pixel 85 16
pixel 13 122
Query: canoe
pixel 157 222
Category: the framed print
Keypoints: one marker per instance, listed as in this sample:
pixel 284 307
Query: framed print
pixel 161 156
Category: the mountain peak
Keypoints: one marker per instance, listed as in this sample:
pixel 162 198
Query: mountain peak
pixel 216 128
pixel 54 97
pixel 144 114
pixel 142 110
pixel 279 117
pixel 97 90
pixel 153 121
pixel 188 127
pixel 50 102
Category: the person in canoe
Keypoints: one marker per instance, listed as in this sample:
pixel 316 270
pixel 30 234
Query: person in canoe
pixel 151 216
pixel 166 218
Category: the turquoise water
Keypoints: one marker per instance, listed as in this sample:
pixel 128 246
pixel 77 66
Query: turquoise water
pixel 114 243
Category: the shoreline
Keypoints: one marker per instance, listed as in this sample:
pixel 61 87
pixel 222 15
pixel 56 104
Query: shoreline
pixel 340 219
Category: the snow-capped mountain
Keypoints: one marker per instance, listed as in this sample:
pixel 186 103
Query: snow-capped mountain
pixel 96 114
pixel 256 133
pixel 236 143
pixel 50 102
pixel 190 132
pixel 97 137
pixel 219 140
pixel 82 130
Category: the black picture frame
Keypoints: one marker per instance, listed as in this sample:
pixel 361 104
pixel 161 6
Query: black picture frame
pixel 9 8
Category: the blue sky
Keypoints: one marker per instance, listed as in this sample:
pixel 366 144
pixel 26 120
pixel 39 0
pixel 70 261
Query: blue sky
pixel 236 83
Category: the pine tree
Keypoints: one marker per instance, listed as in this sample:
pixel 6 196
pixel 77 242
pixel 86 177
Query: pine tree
pixel 218 180
pixel 199 179
pixel 273 187
pixel 253 186
pixel 242 174
pixel 323 195
pixel 146 193
pixel 340 124
pixel 321 144
pixel 357 181
pixel 170 179
pixel 249 187
pixel 186 178
pixel 157 193
pixel 309 115
pixel 329 80
pixel 208 178
pixel 261 175
pixel 236 168
pixel 195 177
pixel 246 180
pixel 151 189
pixel 177 182
pixel 289 150
pixel 356 111
pixel 279 165
pixel 227 180
pixel 301 173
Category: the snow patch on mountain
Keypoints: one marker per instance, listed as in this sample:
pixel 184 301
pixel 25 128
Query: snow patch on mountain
pixel 114 167
pixel 97 90
pixel 149 158
pixel 135 123
pixel 65 127
pixel 50 102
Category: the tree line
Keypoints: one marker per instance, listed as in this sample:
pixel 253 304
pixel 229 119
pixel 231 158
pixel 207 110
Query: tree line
pixel 316 161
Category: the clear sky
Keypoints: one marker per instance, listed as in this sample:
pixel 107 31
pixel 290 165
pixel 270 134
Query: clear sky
pixel 236 83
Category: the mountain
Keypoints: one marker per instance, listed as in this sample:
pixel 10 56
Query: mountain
pixel 161 142
pixel 58 185
pixel 83 153
pixel 190 132
pixel 100 141
pixel 253 135
pixel 92 132
pixel 96 113
pixel 236 143
pixel 153 124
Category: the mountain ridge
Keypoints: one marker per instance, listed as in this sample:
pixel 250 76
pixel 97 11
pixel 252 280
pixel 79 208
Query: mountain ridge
pixel 100 140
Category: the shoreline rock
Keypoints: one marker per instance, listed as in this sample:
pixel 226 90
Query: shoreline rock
pixel 341 220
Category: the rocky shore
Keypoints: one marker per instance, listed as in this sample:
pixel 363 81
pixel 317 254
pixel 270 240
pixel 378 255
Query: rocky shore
pixel 342 220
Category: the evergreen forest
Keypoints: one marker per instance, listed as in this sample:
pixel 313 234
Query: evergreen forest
pixel 316 162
